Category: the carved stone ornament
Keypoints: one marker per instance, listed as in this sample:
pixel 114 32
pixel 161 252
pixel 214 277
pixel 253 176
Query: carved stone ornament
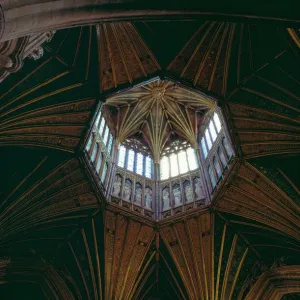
pixel 13 52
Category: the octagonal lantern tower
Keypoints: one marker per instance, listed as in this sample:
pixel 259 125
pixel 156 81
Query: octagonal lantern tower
pixel 159 149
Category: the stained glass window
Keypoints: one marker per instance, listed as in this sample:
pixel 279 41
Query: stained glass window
pixel 164 168
pixel 222 157
pixel 106 135
pixel 130 161
pixel 148 167
pixel 203 146
pixel 95 150
pixel 140 163
pixel 121 161
pixel 104 173
pixel 193 163
pixel 217 122
pixel 89 143
pixel 212 176
pixel 174 165
pixel 227 147
pixel 217 167
pixel 212 130
pixel 97 120
pixel 102 124
pixel 183 165
pixel 110 143
pixel 208 140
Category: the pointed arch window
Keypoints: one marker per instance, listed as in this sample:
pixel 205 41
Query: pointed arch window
pixel 102 124
pixel 106 132
pixel 212 177
pixel 222 157
pixel 110 143
pixel 208 140
pixel 174 165
pixel 183 164
pixel 217 167
pixel 130 160
pixel 217 122
pixel 212 130
pixel 164 168
pixel 148 167
pixel 193 163
pixel 121 160
pixel 139 163
pixel 203 147
pixel 104 173
pixel 227 147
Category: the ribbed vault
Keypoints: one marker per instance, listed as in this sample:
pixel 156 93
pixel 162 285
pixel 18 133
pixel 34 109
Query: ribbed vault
pixel 59 240
pixel 158 113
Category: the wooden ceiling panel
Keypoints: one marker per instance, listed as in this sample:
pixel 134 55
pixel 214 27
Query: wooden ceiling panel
pixel 127 242
pixel 221 56
pixel 123 56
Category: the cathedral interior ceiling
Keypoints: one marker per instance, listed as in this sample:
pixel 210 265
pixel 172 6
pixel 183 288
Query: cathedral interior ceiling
pixel 54 233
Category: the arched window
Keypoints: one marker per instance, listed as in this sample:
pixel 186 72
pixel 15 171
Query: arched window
pixel 130 160
pixel 121 160
pixel 217 122
pixel 174 165
pixel 212 131
pixel 193 163
pixel 222 157
pixel 148 167
pixel 106 132
pixel 183 164
pixel 110 143
pixel 217 167
pixel 139 163
pixel 89 143
pixel 227 147
pixel 164 168
pixel 95 150
pixel 212 177
pixel 203 147
pixel 104 173
pixel 102 124
pixel 208 140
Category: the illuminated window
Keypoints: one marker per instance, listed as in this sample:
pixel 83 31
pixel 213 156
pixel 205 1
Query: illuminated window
pixel 89 143
pixel 212 131
pixel 212 176
pixel 174 165
pixel 203 147
pixel 183 165
pixel 121 161
pixel 217 167
pixel 208 140
pixel 104 173
pixel 106 135
pixel 110 143
pixel 148 167
pixel 193 163
pixel 130 161
pixel 217 122
pixel 140 163
pixel 222 157
pixel 102 124
pixel 164 168
pixel 227 147
pixel 98 120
